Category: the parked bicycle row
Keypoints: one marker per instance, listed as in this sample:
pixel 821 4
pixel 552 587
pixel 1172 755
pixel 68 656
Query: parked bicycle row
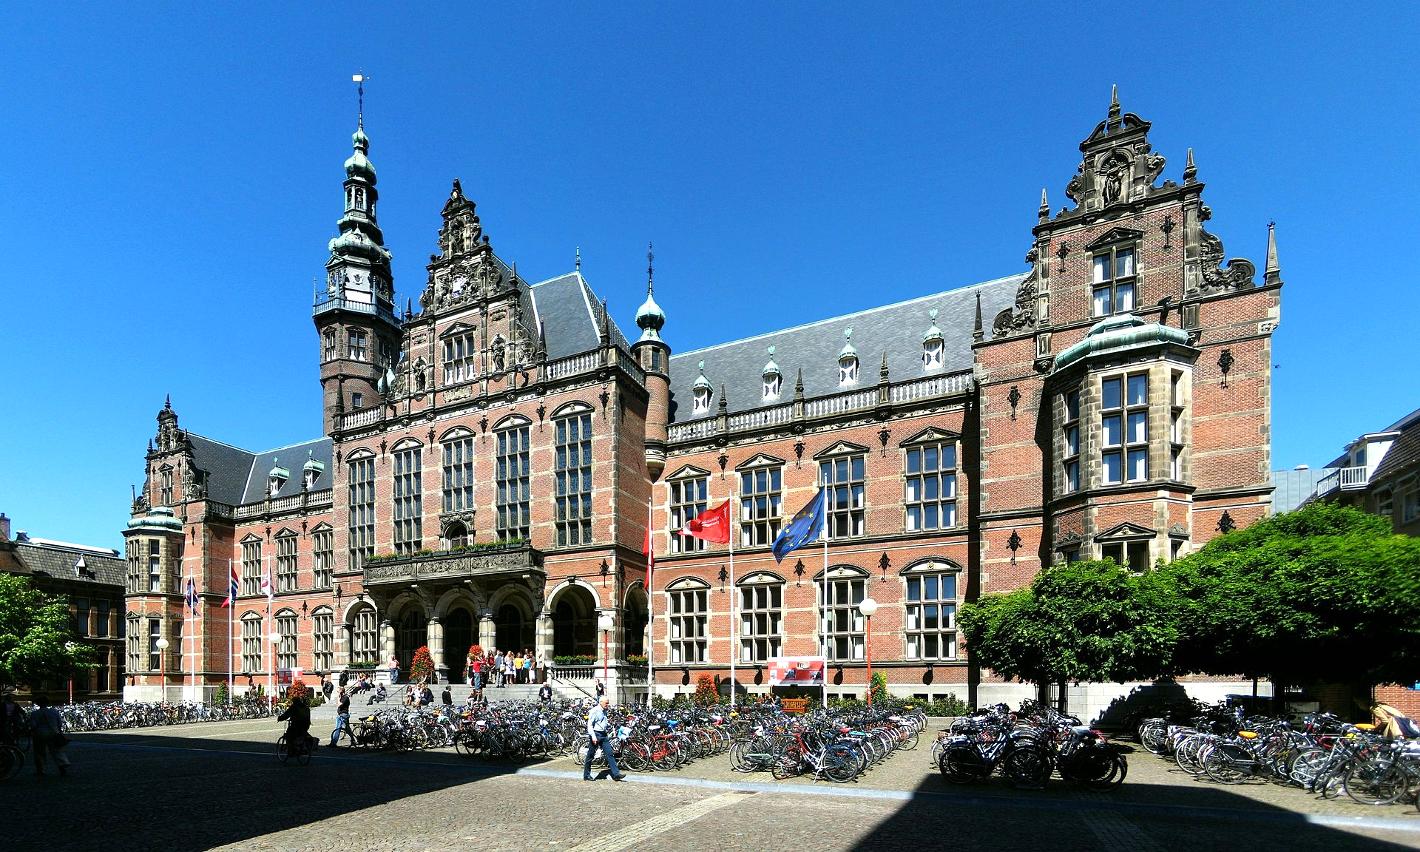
pixel 1317 752
pixel 837 745
pixel 103 716
pixel 1027 748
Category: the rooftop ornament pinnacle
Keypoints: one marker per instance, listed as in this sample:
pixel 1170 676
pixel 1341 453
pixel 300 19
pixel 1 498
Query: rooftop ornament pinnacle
pixel 847 351
pixel 702 382
pixel 649 317
pixel 933 332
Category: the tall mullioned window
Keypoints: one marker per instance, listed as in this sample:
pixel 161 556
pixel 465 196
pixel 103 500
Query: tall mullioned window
pixel 688 499
pixel 843 478
pixel 364 636
pixel 155 566
pixel 458 475
pixel 133 639
pixel 574 479
pixel 460 358
pixel 841 620
pixel 1124 429
pixel 323 557
pixel 408 500
pixel 251 567
pixel 761 495
pixel 251 643
pixel 761 621
pixel 322 639
pixel 931 616
pixel 689 617
pixel 286 563
pixel 155 656
pixel 359 345
pixel 361 488
pixel 1114 279
pixel 931 487
pixel 1071 468
pixel 165 487
pixel 286 648
pixel 513 479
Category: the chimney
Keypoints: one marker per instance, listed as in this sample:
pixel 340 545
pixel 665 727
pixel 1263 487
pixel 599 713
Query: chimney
pixel 4 527
pixel 22 537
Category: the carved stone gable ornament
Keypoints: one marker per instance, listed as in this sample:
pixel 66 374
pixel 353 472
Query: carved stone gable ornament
pixel 1021 317
pixel 1237 276
pixel 1119 166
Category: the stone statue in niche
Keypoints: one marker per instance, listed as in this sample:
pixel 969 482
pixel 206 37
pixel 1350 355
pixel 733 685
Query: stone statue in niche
pixel 499 353
pixel 1115 165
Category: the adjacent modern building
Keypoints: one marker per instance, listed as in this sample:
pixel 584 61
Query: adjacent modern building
pixel 90 579
pixel 490 461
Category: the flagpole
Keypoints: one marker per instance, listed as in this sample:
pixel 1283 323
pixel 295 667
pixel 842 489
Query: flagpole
pixel 231 625
pixel 734 652
pixel 823 626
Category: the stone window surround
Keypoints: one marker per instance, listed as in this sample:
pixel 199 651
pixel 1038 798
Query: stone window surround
pixel 761 605
pixel 407 497
pixel 687 621
pixel 946 631
pixel 954 471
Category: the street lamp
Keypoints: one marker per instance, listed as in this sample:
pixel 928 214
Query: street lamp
pixel 869 606
pixel 162 646
pixel 275 638
pixel 605 622
pixel 70 648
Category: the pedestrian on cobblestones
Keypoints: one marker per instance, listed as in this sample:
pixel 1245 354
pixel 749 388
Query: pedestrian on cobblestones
pixel 601 691
pixel 47 736
pixel 342 717
pixel 599 729
pixel 394 669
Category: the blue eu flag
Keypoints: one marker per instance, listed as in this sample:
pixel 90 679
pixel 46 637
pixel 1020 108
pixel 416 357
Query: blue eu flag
pixel 806 526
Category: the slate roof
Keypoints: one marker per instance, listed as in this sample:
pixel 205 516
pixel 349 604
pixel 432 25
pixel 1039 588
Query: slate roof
pixel 896 329
pixel 227 468
pixel 293 459
pixel 58 561
pixel 571 316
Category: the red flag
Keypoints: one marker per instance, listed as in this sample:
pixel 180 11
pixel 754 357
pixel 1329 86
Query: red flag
pixel 711 525
pixel 650 560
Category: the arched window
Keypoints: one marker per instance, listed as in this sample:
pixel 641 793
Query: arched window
pixel 688 606
pixel 322 639
pixel 251 644
pixel 364 635
pixel 761 617
pixel 839 612
pixel 930 619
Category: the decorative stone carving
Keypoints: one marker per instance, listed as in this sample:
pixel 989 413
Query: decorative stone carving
pixel 1023 315
pixel 1237 275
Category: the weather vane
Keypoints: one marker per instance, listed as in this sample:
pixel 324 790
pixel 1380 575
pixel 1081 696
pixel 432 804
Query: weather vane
pixel 359 80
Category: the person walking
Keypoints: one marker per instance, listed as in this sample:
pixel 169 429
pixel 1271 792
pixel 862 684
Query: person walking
pixel 447 698
pixel 342 717
pixel 394 669
pixel 601 691
pixel 545 694
pixel 599 729
pixel 47 736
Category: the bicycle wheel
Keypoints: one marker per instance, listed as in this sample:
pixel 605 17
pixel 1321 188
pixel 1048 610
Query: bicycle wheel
pixel 961 764
pixel 1026 768
pixel 303 753
pixel 281 752
pixel 786 764
pixel 841 764
pixel 1376 781
pixel 1305 765
pixel 908 740
pixel 1227 763
pixel 1154 736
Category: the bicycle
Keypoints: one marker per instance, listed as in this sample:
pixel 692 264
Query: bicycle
pixel 300 751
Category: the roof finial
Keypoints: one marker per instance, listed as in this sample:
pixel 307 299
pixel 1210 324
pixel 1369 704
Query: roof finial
pixel 1114 101
pixel 650 268
pixel 799 385
pixel 358 78
pixel 977 334
pixel 1273 273
pixel 1044 212
pixel 167 402
pixel 1190 171
pixel 579 258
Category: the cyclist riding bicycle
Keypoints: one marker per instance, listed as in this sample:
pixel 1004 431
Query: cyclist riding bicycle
pixel 299 727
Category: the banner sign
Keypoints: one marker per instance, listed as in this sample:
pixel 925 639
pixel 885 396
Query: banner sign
pixel 796 671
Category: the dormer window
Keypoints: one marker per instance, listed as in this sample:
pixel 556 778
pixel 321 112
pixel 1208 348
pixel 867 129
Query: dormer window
pixel 1114 280
pixel 933 347
pixel 276 478
pixel 311 472
pixel 701 393
pixel 847 360
pixel 773 379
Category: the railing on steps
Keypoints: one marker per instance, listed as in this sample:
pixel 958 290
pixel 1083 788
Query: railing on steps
pixel 555 675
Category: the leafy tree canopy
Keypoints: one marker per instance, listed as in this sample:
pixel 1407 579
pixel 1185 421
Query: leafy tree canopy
pixel 34 631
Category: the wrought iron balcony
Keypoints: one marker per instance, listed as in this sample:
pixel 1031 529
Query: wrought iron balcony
pixel 512 559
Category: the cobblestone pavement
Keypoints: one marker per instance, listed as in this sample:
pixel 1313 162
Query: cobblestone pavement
pixel 219 786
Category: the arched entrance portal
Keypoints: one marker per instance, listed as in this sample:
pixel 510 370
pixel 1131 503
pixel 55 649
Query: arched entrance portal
pixel 513 631
pixel 637 614
pixel 574 623
pixel 411 633
pixel 458 636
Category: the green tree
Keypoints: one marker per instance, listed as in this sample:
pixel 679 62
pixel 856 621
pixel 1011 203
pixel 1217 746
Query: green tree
pixel 35 640
pixel 1082 621
pixel 1325 593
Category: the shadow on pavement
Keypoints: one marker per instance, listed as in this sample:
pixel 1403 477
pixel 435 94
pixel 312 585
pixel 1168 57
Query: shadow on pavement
pixel 149 789
pixel 1138 817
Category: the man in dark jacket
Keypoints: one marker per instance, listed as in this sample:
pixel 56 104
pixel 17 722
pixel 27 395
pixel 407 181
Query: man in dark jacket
pixel 426 696
pixel 298 728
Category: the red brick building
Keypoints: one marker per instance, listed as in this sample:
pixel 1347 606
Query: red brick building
pixel 491 461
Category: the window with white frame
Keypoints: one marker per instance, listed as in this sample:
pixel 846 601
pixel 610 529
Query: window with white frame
pixel 155 656
pixel 137 582
pixel 460 358
pixel 761 619
pixel 251 566
pixel 1133 554
pixel 840 618
pixel 847 369
pixel 1124 429
pixel 933 352
pixel 322 639
pixel 1176 427
pixel 931 486
pixel 286 648
pixel 408 500
pixel 842 476
pixel 364 636
pixel 286 562
pixel 761 497
pixel 688 499
pixel 513 480
pixel 323 556
pixel 573 468
pixel 155 566
pixel 165 486
pixel 133 639
pixel 361 500
pixel 689 614
pixel 251 643
pixel 359 345
pixel 931 614
pixel 329 341
pixel 773 384
pixel 1114 280
pixel 700 400
pixel 458 474
pixel 1072 441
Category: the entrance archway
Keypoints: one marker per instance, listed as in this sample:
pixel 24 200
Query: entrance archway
pixel 512 630
pixel 411 633
pixel 574 623
pixel 458 636
pixel 633 638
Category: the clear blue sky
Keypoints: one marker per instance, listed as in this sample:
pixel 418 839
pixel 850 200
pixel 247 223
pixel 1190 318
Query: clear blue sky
pixel 169 179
